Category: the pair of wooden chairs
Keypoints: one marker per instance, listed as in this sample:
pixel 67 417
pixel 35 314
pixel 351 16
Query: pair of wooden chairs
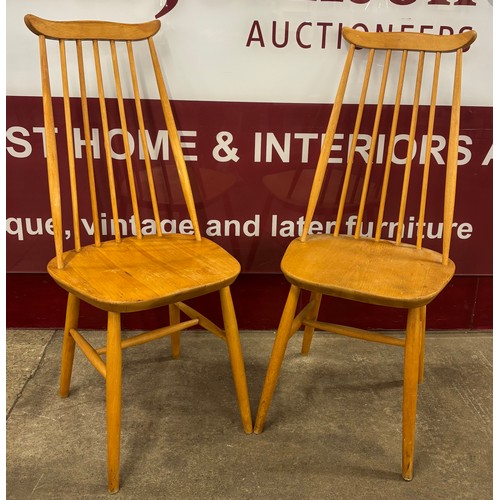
pixel 136 273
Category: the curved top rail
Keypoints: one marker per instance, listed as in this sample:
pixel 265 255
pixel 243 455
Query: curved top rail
pixel 90 30
pixel 409 41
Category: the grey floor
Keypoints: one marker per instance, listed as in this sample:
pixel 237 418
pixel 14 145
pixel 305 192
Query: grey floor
pixel 333 429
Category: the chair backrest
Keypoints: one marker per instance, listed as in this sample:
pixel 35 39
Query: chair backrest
pixel 381 112
pixel 104 87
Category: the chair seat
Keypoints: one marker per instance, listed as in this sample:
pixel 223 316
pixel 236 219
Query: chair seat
pixel 137 274
pixel 376 272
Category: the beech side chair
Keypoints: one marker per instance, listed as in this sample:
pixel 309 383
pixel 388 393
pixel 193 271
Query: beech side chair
pixel 380 268
pixel 125 273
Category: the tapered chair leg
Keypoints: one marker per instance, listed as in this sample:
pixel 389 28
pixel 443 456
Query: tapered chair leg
pixel 410 388
pixel 277 354
pixel 423 311
pixel 113 399
pixel 175 338
pixel 236 358
pixel 68 349
pixel 313 315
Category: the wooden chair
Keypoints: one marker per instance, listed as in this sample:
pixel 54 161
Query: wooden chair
pixel 374 269
pixel 132 273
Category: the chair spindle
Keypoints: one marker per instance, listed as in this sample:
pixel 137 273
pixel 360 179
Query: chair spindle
pixel 142 133
pixel 70 146
pixel 88 144
pixel 354 140
pixel 409 152
pixel 106 140
pixel 175 144
pixel 53 172
pixel 390 146
pixel 452 159
pixel 373 144
pixel 428 149
pixel 126 144
pixel 327 144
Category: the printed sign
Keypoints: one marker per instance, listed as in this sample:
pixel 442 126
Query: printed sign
pixel 251 84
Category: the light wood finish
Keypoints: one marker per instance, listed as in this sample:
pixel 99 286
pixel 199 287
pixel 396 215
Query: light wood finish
pixel 277 355
pixel 175 338
pixel 393 272
pixel 119 273
pixel 309 312
pixel 68 350
pixel 409 41
pixel 113 399
pixel 90 30
pixel 203 320
pixel 312 317
pixel 423 313
pixel 355 333
pixel 90 353
pixel 135 275
pixel 159 333
pixel 235 355
pixel 378 272
pixel 410 386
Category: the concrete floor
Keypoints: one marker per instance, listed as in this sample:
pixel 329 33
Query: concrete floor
pixel 333 430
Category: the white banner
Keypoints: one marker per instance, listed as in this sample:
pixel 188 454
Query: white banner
pixel 259 50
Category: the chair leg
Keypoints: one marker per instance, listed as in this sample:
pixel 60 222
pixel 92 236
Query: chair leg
pixel 236 358
pixel 113 399
pixel 175 338
pixel 68 349
pixel 423 311
pixel 277 354
pixel 309 330
pixel 410 388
